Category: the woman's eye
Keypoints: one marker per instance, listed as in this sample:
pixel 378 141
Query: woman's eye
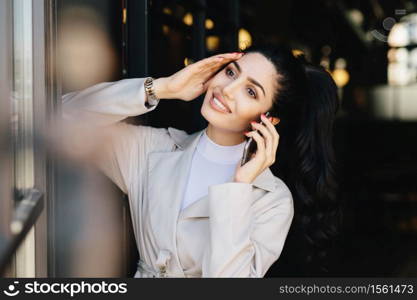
pixel 251 92
pixel 229 72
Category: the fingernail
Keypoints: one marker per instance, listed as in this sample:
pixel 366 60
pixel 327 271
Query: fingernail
pixel 246 132
pixel 270 118
pixel 263 115
pixel 253 122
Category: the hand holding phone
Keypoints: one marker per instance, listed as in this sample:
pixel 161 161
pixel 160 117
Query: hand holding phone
pixel 250 146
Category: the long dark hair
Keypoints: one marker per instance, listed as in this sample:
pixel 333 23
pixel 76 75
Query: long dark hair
pixel 306 102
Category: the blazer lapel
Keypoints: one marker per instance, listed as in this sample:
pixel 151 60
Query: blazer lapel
pixel 200 208
pixel 167 177
pixel 197 209
pixel 266 181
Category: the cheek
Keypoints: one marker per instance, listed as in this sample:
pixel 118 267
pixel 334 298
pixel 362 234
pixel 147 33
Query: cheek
pixel 247 110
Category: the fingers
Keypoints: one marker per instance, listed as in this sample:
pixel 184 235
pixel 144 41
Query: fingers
pixel 272 129
pixel 216 61
pixel 266 135
pixel 206 84
pixel 207 67
pixel 232 55
pixel 270 137
pixel 260 143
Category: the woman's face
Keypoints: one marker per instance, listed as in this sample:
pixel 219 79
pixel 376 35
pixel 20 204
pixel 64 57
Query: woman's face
pixel 245 87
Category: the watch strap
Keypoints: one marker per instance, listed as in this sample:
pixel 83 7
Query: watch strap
pixel 152 99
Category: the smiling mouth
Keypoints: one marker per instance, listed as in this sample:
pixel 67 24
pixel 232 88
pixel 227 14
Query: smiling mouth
pixel 218 105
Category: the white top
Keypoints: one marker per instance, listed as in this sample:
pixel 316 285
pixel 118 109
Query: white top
pixel 211 164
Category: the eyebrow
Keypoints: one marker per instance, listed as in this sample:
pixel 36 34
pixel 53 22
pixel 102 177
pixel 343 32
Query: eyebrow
pixel 249 78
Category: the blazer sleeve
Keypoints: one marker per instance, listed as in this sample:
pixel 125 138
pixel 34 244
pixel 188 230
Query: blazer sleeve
pixel 245 243
pixel 106 103
pixel 120 148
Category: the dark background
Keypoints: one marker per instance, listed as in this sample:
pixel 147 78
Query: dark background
pixel 376 154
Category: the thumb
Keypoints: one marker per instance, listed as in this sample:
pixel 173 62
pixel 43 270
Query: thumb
pixel 207 83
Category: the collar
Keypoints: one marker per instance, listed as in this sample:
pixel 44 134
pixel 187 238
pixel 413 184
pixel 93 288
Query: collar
pixel 266 180
pixel 223 155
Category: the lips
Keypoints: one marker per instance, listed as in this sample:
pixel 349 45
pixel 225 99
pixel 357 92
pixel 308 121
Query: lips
pixel 219 97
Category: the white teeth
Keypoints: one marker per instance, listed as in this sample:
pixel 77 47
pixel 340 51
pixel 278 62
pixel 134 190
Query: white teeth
pixel 219 104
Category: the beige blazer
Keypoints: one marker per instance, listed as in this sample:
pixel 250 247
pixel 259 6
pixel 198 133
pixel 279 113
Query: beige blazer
pixel 236 230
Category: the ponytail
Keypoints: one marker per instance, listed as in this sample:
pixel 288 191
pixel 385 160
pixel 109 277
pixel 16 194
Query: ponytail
pixel 306 102
pixel 314 175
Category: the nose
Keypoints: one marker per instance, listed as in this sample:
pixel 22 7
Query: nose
pixel 230 88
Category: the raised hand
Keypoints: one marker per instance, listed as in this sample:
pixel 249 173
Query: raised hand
pixel 191 81
pixel 267 145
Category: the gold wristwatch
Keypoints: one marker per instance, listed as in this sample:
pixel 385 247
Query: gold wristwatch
pixel 152 100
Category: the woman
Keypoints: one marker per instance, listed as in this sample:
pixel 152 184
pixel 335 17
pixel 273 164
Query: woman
pixel 196 211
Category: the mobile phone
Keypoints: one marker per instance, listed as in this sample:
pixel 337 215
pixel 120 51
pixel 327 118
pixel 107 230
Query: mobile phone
pixel 250 146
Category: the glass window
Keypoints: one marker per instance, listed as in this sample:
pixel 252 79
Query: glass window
pixel 22 99
pixel 23 208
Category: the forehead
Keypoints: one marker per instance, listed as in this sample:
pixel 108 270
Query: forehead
pixel 258 67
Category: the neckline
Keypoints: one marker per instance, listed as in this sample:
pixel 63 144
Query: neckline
pixel 219 153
